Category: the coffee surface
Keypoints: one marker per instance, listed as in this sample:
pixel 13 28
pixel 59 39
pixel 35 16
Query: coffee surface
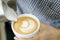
pixel 25 25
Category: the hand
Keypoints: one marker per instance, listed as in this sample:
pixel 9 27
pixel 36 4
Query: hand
pixel 22 38
pixel 18 38
pixel 41 35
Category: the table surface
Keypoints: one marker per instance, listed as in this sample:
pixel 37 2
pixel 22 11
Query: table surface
pixel 47 32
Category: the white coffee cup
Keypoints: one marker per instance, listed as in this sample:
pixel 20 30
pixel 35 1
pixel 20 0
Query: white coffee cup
pixel 27 35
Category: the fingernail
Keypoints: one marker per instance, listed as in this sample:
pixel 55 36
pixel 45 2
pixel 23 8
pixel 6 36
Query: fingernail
pixel 15 38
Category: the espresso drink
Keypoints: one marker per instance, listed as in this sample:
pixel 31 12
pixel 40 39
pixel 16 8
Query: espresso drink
pixel 25 25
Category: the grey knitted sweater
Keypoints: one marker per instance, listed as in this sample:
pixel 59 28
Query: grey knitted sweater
pixel 48 11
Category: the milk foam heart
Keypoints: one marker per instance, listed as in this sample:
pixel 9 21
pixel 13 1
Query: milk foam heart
pixel 27 26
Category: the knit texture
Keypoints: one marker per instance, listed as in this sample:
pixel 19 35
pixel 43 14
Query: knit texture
pixel 48 11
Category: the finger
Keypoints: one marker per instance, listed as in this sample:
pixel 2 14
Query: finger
pixel 23 38
pixel 18 38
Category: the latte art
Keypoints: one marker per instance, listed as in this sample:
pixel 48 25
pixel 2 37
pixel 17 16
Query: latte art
pixel 25 25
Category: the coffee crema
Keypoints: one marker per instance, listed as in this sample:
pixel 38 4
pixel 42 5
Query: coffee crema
pixel 25 25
